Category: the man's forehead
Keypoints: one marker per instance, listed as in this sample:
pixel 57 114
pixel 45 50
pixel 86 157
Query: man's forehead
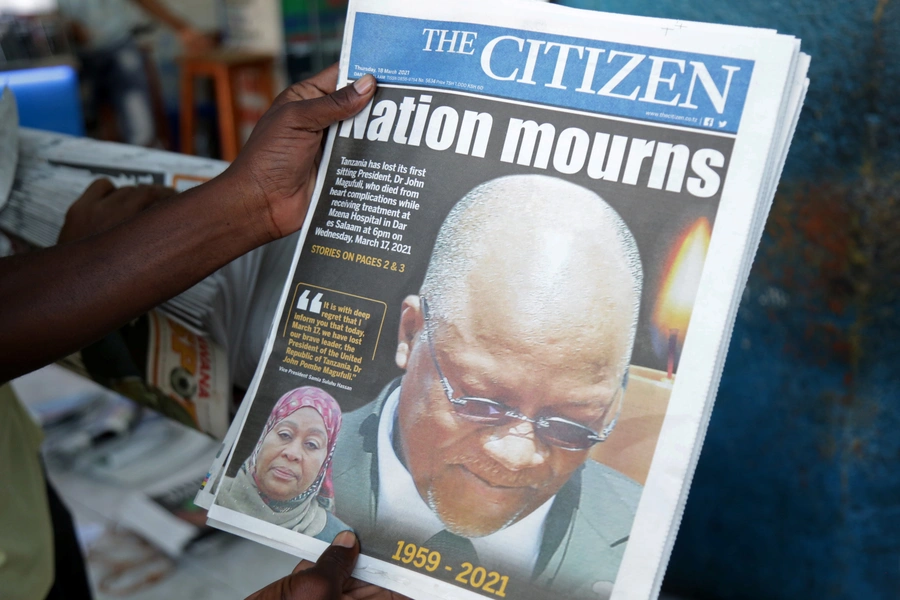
pixel 556 261
pixel 534 316
pixel 542 272
pixel 488 355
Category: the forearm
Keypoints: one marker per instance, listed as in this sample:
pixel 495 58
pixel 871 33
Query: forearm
pixel 58 300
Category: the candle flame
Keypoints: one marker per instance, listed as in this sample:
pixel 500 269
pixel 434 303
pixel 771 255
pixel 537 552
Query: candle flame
pixel 676 296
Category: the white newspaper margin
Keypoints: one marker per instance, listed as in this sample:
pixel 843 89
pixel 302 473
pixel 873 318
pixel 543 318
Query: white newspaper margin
pixel 634 568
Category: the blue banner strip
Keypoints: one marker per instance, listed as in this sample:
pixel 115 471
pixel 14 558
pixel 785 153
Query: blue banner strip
pixel 689 89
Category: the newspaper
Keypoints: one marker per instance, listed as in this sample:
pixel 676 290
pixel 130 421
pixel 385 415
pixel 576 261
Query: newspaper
pixel 160 363
pixel 498 348
pixel 9 142
pixel 54 169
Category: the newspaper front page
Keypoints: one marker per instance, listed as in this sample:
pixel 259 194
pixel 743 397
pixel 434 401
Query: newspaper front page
pixel 499 344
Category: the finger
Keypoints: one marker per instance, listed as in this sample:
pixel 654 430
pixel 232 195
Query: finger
pixel 155 193
pixel 326 579
pixel 320 84
pixel 339 558
pixel 303 565
pixel 97 190
pixel 360 590
pixel 325 80
pixel 118 195
pixel 144 198
pixel 128 201
pixel 144 188
pixel 319 113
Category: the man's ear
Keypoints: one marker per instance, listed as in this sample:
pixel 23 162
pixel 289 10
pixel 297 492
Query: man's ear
pixel 411 323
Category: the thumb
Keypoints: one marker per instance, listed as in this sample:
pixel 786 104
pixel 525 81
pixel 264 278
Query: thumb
pixel 325 580
pixel 339 558
pixel 318 113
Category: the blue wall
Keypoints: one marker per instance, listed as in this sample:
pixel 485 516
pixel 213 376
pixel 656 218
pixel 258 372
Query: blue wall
pixel 797 493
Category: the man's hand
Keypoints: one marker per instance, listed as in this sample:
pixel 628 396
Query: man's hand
pixel 328 578
pixel 276 170
pixel 60 299
pixel 102 206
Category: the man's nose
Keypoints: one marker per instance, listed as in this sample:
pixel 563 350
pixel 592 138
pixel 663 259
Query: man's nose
pixel 516 448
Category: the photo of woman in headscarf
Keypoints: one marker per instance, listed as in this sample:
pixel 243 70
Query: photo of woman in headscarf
pixel 287 478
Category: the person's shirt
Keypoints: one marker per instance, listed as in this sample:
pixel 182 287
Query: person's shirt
pixel 108 22
pixel 26 533
pixel 402 510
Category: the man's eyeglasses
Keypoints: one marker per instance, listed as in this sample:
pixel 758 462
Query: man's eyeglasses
pixel 552 431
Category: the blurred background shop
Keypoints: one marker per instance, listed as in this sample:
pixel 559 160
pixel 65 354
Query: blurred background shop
pixel 797 493
pixel 139 68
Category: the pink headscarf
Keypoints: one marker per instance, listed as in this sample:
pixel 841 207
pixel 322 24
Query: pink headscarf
pixel 328 409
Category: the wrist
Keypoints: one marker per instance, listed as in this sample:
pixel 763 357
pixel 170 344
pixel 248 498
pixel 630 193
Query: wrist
pixel 244 207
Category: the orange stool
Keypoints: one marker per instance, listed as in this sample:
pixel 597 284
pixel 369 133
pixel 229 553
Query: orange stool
pixel 221 65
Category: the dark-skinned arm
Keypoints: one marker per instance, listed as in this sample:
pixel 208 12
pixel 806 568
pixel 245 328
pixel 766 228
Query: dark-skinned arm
pixel 60 299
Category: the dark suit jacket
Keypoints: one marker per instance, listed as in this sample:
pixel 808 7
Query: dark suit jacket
pixel 584 536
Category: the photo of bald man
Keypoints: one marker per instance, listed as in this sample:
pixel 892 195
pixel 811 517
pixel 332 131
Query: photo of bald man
pixel 516 353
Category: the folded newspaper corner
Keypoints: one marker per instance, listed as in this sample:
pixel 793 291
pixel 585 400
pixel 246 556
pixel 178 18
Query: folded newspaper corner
pixel 501 337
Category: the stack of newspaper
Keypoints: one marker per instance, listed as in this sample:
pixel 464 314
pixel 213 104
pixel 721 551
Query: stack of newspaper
pixel 54 169
pixel 189 357
pixel 498 347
